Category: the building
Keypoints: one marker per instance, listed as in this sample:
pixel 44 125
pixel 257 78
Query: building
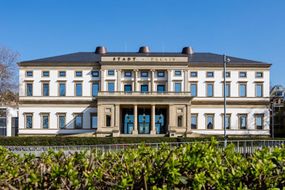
pixel 8 120
pixel 143 94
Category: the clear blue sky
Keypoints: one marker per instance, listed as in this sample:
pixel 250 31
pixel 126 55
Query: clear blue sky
pixel 253 29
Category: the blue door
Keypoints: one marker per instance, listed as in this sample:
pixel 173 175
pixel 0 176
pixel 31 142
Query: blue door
pixel 144 121
pixel 128 123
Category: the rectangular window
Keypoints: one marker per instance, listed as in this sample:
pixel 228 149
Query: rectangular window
pixel 128 73
pixel 144 88
pixel 29 89
pixel 228 90
pixel 243 121
pixel 95 73
pixel 228 121
pixel 259 121
pixel 210 89
pixel 108 120
pixel 61 121
pixel 210 74
pixel 29 73
pixel 160 88
pixel 78 89
pixel 95 88
pixel 242 90
pixel 180 121
pixel 193 88
pixel 194 74
pixel 62 89
pixel 3 122
pixel 144 73
pixel 194 121
pixel 62 74
pixel 29 121
pixel 242 74
pixel 45 89
pixel 177 73
pixel 177 87
pixel 210 121
pixel 111 86
pixel 259 75
pixel 258 90
pixel 228 74
pixel 160 73
pixel 45 74
pixel 111 72
pixel 128 88
pixel 45 121
pixel 78 121
pixel 94 120
pixel 78 73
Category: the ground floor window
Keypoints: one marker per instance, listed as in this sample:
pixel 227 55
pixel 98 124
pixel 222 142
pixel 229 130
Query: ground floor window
pixel 259 121
pixel 228 121
pixel 78 121
pixel 93 120
pixel 61 120
pixel 45 120
pixel 243 121
pixel 194 121
pixel 28 120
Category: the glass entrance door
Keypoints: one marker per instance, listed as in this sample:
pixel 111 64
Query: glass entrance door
pixel 160 121
pixel 128 121
pixel 144 121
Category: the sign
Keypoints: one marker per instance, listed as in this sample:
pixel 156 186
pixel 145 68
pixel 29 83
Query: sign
pixel 143 59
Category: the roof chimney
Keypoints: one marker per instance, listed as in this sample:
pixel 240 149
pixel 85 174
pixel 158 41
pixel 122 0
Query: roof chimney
pixel 144 49
pixel 187 50
pixel 100 50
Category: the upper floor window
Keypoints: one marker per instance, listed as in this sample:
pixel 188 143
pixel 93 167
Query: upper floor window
pixel 228 74
pixel 45 120
pixel 210 74
pixel 258 90
pixel 45 74
pixel 160 73
pixel 95 73
pixel 258 74
pixel 193 89
pixel 160 88
pixel 45 89
pixel 95 88
pixel 127 87
pixel 210 89
pixel 128 73
pixel 61 120
pixel 259 121
pixel 177 73
pixel 62 73
pixel 62 89
pixel 227 90
pixel 177 87
pixel 111 72
pixel 228 121
pixel 29 73
pixel 29 89
pixel 210 121
pixel 194 74
pixel 111 86
pixel 78 121
pixel 29 121
pixel 93 120
pixel 242 74
pixel 144 88
pixel 194 121
pixel 78 89
pixel 242 90
pixel 78 73
pixel 144 73
pixel 243 121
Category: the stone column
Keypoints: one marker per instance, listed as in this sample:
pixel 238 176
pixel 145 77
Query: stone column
pixel 153 131
pixel 102 87
pixel 135 80
pixel 188 119
pixel 117 116
pixel 152 80
pixel 185 80
pixel 135 130
pixel 119 80
pixel 169 80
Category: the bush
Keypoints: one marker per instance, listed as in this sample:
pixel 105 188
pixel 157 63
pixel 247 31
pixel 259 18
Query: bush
pixel 189 166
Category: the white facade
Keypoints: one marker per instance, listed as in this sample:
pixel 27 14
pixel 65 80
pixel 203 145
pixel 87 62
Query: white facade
pixel 8 120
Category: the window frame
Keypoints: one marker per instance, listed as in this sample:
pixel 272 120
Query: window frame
pixel 159 74
pixel 59 91
pixel 44 72
pixel 206 120
pixel 239 121
pixel 128 74
pixel 59 73
pixel 177 73
pixel 256 93
pixel 58 120
pixel 259 72
pixel 229 119
pixel 43 89
pixel 95 75
pixel 74 123
pixel 144 72
pixel 91 121
pixel 195 75
pixel 42 120
pixel 26 74
pixel 196 116
pixel 207 92
pixel 77 72
pixel 239 92
pixel 32 87
pixel 242 72
pixel 210 76
pixel 75 89
pixel 32 120
pixel 262 121
pixel 196 84
pixel 111 72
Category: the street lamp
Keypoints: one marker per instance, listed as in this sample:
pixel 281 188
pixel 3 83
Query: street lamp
pixel 226 60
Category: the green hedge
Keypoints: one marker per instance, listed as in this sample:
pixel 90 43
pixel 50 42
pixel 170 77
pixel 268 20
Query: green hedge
pixel 191 166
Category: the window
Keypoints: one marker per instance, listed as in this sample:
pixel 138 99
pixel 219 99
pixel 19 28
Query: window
pixel 258 90
pixel 228 74
pixel 45 89
pixel 93 120
pixel 61 120
pixel 62 89
pixel 210 121
pixel 242 121
pixel 95 73
pixel 228 90
pixel 144 88
pixel 3 122
pixel 228 121
pixel 95 88
pixel 78 89
pixel 160 73
pixel 194 74
pixel 242 74
pixel 210 89
pixel 259 121
pixel 180 121
pixel 242 90
pixel 108 120
pixel 177 86
pixel 45 74
pixel 128 88
pixel 78 73
pixel 144 73
pixel 177 73
pixel 29 73
pixel 111 86
pixel 194 121
pixel 160 88
pixel 210 74
pixel 29 121
pixel 78 121
pixel 128 73
pixel 193 88
pixel 29 89
pixel 62 74
pixel 45 121
pixel 111 72
pixel 258 74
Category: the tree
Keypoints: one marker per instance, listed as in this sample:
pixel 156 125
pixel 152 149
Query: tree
pixel 8 75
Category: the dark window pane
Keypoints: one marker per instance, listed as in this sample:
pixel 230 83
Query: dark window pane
pixel 29 73
pixel 177 73
pixel 78 73
pixel 128 73
pixel 144 74
pixel 62 73
pixel 45 73
pixel 128 88
pixel 111 72
pixel 193 121
pixel 258 89
pixel 180 121
pixel 45 121
pixel 95 89
pixel 62 89
pixel 144 88
pixel 160 73
pixel 160 88
pixel 95 73
pixel 210 74
pixel 259 74
pixel 210 121
pixel 242 74
pixel 61 121
pixel 78 122
pixel 78 89
pixel 193 74
pixel 228 90
pixel 29 121
pixel 29 89
pixel 243 122
pixel 108 120
pixel 94 120
pixel 45 89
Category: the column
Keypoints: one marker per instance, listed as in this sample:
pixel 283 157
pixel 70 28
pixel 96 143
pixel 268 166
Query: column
pixel 169 80
pixel 119 80
pixel 188 118
pixel 135 80
pixel 102 80
pixel 186 80
pixel 135 131
pixel 152 132
pixel 152 80
pixel 117 116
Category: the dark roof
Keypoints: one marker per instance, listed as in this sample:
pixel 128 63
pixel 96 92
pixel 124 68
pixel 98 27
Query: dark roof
pixel 199 58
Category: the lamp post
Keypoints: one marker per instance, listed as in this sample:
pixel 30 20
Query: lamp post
pixel 226 60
